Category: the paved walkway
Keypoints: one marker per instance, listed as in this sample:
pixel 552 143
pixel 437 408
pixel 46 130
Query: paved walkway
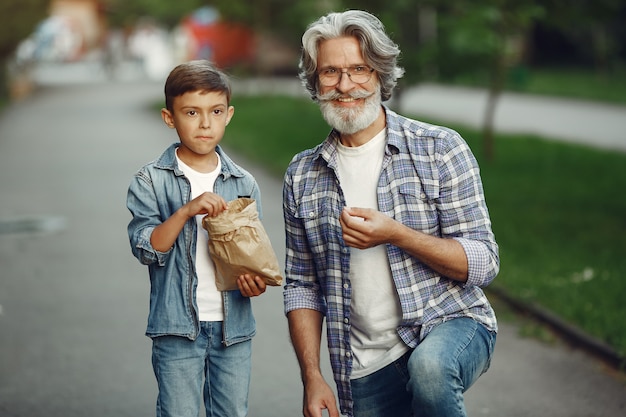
pixel 597 124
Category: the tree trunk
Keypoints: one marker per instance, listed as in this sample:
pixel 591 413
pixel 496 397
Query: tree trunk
pixel 496 86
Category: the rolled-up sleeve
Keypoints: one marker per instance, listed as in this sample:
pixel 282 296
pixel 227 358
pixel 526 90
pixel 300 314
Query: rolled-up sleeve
pixel 141 202
pixel 463 212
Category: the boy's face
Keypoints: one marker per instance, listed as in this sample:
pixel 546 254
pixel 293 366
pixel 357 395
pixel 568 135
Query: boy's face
pixel 200 119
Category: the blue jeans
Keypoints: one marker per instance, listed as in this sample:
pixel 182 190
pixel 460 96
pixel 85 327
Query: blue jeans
pixel 430 380
pixel 188 371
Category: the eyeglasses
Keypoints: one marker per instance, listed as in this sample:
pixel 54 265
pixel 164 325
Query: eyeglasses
pixel 358 74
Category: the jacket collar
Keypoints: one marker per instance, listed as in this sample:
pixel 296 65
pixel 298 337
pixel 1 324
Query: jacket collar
pixel 167 160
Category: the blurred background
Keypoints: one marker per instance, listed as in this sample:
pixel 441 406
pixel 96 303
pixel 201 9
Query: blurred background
pixel 81 86
pixel 495 43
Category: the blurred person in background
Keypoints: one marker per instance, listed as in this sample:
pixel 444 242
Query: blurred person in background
pixel 388 238
pixel 152 46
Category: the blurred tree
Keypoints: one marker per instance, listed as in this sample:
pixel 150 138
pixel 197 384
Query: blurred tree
pixel 18 20
pixel 492 34
pixel 595 27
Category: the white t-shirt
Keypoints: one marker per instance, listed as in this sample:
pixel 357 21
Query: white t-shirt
pixel 375 308
pixel 208 298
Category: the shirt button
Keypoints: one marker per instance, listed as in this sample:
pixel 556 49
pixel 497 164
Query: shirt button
pixel 346 320
pixel 345 286
pixel 311 215
pixel 423 196
pixel 348 354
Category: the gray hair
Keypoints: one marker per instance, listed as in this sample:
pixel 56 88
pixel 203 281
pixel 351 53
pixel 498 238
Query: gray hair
pixel 379 51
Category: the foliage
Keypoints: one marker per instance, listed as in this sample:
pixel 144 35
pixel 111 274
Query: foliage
pixel 19 19
pixel 596 27
pixel 123 13
pixel 282 17
pixel 485 35
pixel 440 39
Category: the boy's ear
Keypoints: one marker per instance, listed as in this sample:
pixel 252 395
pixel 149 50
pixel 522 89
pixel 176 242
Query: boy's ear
pixel 167 117
pixel 231 112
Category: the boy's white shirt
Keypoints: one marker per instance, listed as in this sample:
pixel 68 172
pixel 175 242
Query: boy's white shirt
pixel 375 309
pixel 208 298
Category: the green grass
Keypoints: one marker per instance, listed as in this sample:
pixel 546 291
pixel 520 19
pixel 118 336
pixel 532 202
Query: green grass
pixel 273 129
pixel 558 210
pixel 572 83
pixel 584 84
pixel 559 214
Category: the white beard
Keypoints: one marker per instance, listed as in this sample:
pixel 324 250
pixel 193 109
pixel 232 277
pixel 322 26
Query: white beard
pixel 350 120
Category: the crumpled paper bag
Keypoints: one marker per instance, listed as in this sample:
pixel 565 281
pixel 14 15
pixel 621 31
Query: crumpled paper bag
pixel 239 244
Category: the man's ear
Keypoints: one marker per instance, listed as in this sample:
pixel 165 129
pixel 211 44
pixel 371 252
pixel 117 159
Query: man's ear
pixel 167 117
pixel 229 115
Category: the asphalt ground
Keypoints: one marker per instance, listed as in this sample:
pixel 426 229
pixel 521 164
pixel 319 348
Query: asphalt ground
pixel 73 300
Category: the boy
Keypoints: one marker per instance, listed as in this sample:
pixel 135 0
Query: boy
pixel 198 333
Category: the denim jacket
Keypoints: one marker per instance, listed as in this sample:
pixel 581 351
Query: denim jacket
pixel 156 191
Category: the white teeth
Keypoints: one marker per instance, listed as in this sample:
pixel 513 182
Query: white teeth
pixel 346 99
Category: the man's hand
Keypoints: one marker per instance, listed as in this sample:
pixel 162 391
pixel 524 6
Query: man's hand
pixel 365 228
pixel 319 396
pixel 251 286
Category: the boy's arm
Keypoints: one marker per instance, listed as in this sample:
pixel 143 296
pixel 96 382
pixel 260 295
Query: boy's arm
pixel 164 235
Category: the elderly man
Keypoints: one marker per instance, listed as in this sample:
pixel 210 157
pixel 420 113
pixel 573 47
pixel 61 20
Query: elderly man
pixel 388 238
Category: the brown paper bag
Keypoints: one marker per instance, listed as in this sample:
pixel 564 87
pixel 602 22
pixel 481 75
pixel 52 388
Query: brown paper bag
pixel 238 244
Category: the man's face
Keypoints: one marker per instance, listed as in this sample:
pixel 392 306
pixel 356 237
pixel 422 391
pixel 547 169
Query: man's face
pixel 347 106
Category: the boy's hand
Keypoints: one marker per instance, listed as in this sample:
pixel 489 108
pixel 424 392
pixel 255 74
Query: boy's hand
pixel 165 234
pixel 249 286
pixel 206 203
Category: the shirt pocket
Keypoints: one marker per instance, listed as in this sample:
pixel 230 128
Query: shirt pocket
pixel 319 217
pixel 414 209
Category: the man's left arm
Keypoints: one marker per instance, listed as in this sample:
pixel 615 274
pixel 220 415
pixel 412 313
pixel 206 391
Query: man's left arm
pixel 466 250
pixel 365 228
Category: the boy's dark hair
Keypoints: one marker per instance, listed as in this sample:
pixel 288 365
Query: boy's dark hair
pixel 198 75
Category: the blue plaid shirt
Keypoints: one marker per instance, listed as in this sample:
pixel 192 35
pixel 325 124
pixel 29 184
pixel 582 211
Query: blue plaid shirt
pixel 430 181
